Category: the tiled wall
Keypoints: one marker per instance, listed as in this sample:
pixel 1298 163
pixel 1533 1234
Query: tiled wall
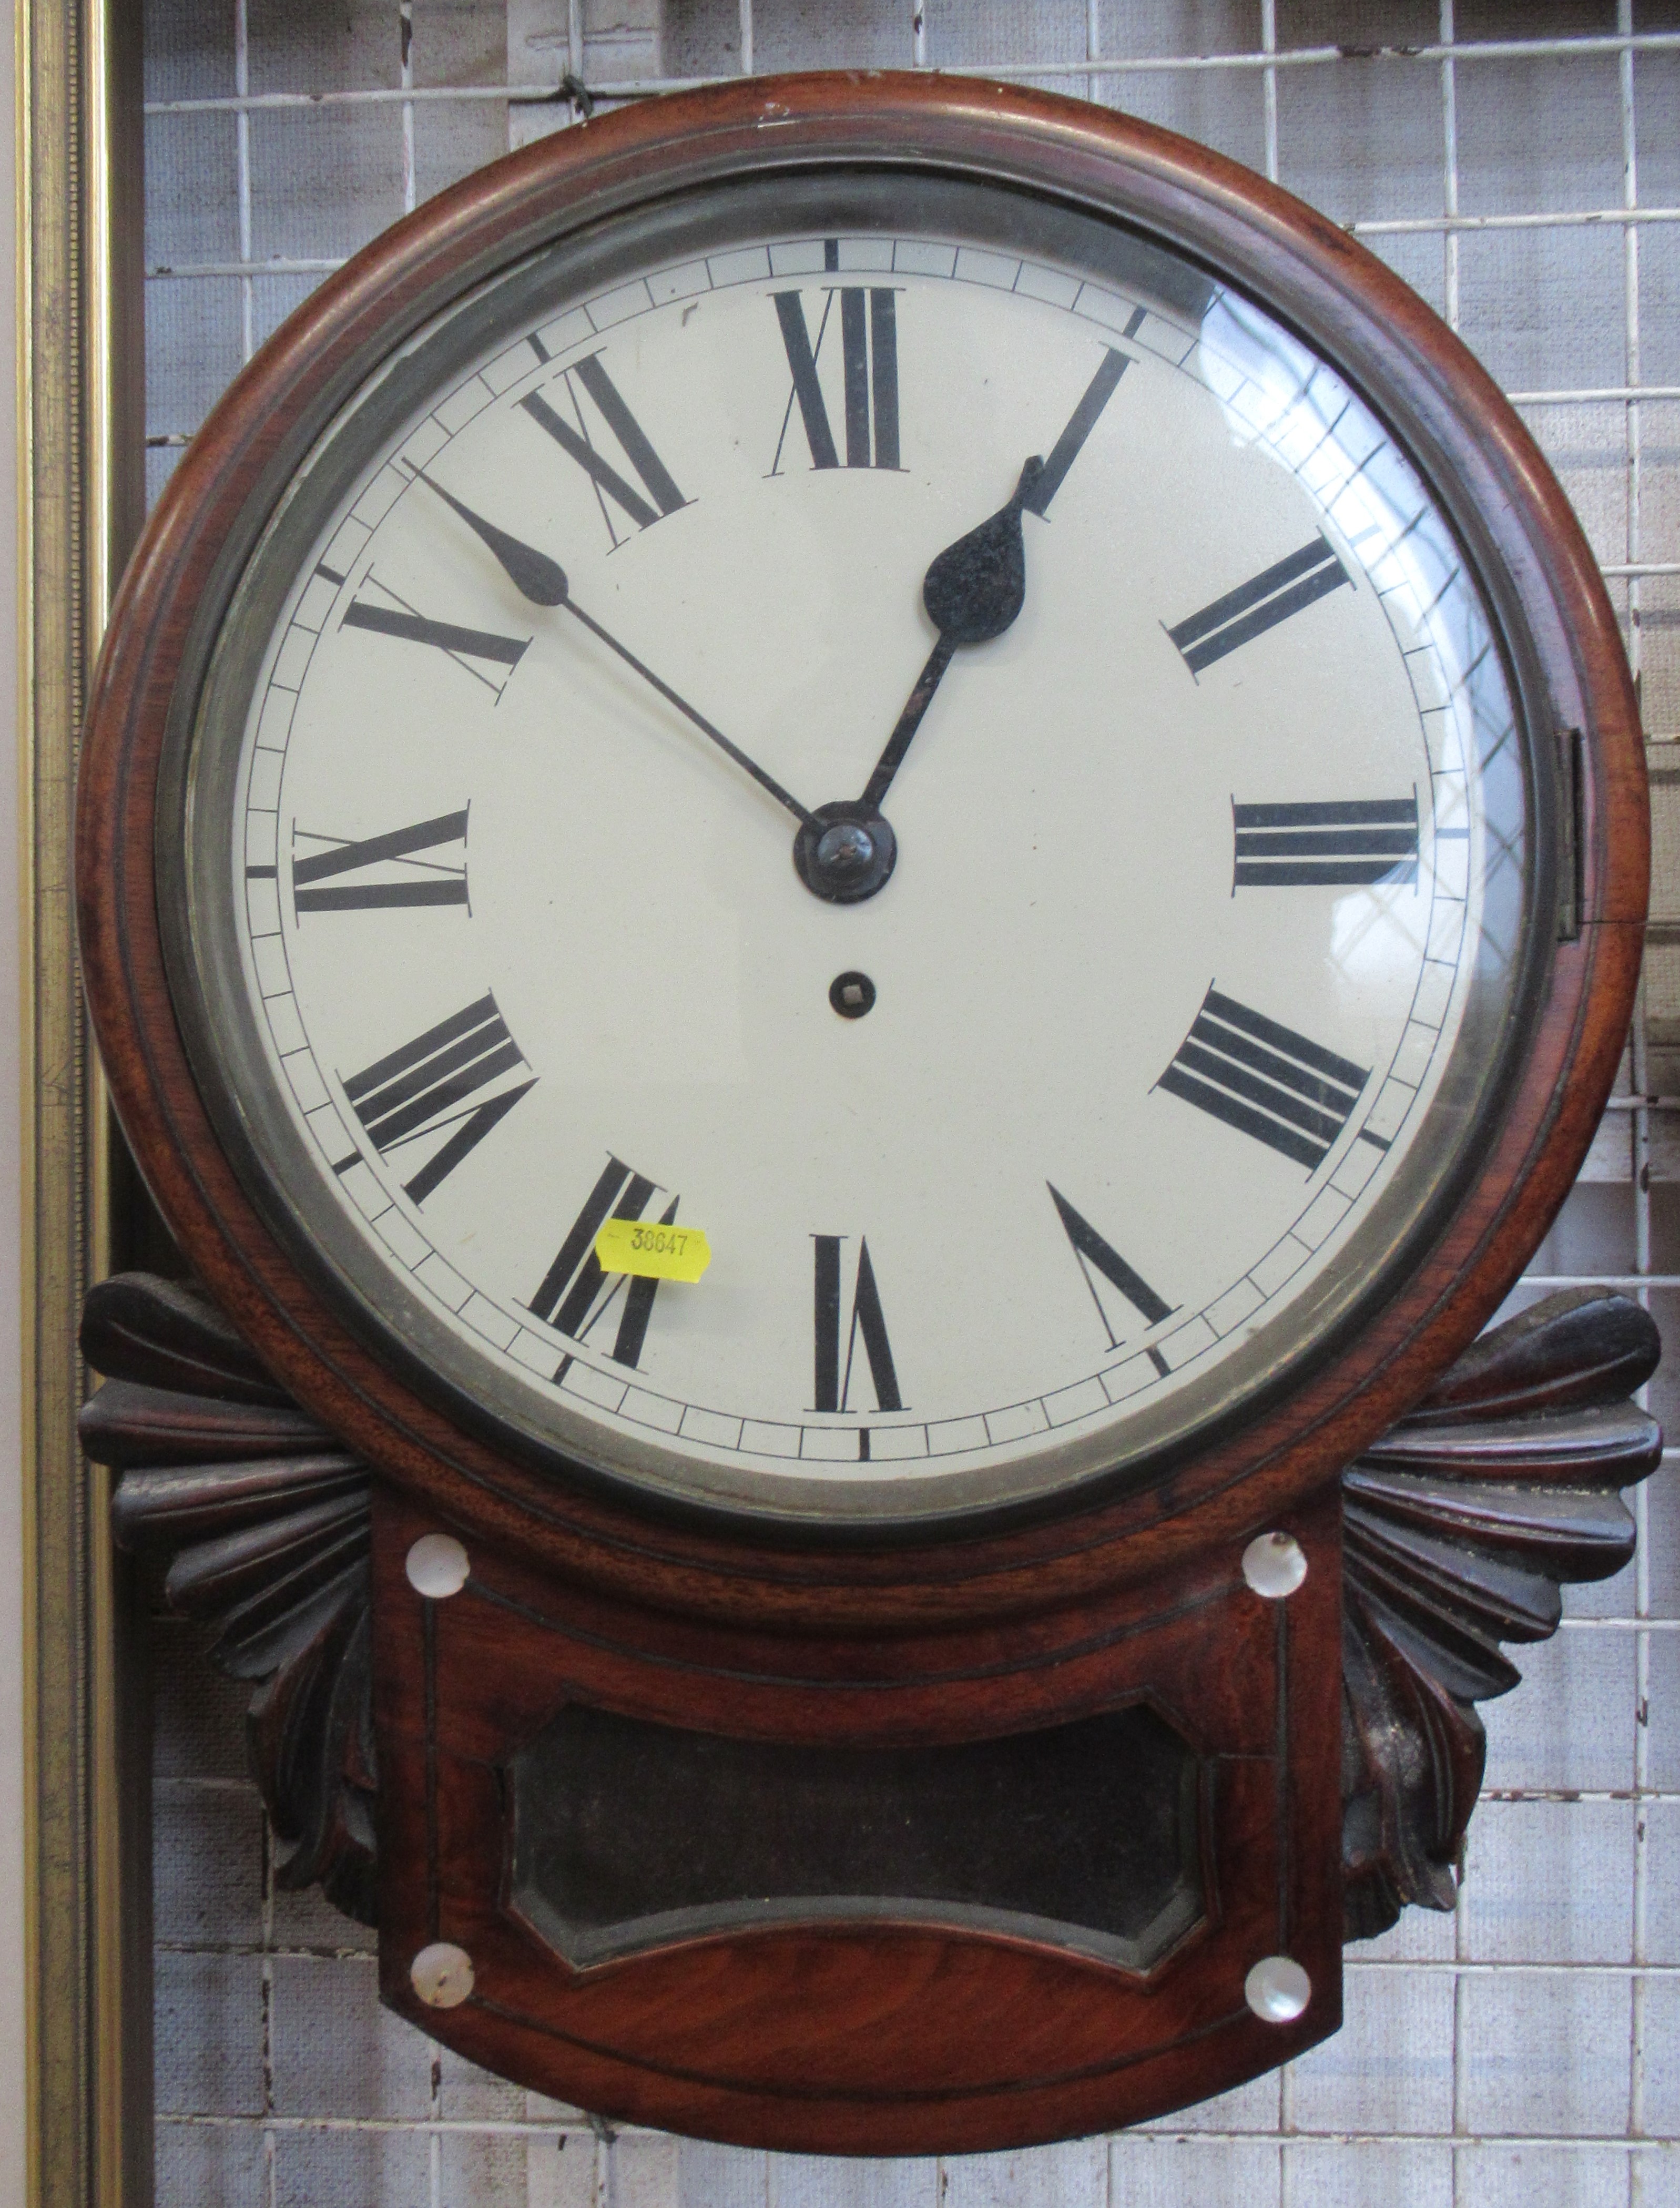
pixel 1524 2053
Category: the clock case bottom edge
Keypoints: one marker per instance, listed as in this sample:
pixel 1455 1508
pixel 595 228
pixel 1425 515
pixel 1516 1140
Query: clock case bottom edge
pixel 884 2029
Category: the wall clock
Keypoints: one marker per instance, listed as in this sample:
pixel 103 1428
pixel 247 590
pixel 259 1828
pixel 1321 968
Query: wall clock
pixel 858 858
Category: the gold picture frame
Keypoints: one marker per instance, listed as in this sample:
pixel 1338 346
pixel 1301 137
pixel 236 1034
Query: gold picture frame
pixel 80 382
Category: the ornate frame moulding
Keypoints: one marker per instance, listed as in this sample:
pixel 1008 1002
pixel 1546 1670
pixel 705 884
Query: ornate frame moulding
pixel 1462 1525
pixel 81 464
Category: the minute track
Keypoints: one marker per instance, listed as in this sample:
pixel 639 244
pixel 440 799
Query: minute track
pixel 605 859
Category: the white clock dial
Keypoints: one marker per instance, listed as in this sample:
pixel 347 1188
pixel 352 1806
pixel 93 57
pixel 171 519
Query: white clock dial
pixel 1044 1057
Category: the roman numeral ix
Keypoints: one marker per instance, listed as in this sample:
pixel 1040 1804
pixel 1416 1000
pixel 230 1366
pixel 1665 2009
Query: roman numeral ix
pixel 392 873
pixel 575 1295
pixel 1366 841
pixel 424 1089
pixel 661 495
pixel 1263 1079
pixel 869 374
pixel 1093 1252
pixel 1250 610
pixel 833 1376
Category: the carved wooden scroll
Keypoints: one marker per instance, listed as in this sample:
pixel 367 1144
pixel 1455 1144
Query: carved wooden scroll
pixel 1462 1525
pixel 1460 1528
pixel 265 1521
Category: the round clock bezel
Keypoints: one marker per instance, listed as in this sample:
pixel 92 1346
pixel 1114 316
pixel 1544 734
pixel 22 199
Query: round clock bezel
pixel 1534 577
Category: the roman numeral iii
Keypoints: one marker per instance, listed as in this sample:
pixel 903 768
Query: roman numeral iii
pixel 833 1376
pixel 1094 1255
pixel 1250 610
pixel 1366 841
pixel 392 873
pixel 869 376
pixel 575 1294
pixel 422 1090
pixel 1263 1078
pixel 661 495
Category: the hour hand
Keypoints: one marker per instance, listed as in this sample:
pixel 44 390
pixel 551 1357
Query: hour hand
pixel 972 591
pixel 975 589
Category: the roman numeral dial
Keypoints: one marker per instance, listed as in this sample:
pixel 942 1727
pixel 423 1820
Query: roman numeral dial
pixel 576 1294
pixel 1364 842
pixel 658 495
pixel 1099 1260
pixel 1256 1075
pixel 407 866
pixel 1286 588
pixel 869 371
pixel 837 1342
pixel 411 1096
pixel 1149 764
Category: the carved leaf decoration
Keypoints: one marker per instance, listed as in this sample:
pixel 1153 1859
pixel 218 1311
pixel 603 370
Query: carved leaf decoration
pixel 265 1520
pixel 1462 1525
pixel 1460 1528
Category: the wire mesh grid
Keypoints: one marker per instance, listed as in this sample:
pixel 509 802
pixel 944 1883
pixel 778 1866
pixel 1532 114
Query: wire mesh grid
pixel 1521 166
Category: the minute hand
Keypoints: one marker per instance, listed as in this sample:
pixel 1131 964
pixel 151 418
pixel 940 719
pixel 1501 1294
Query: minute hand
pixel 975 589
pixel 542 581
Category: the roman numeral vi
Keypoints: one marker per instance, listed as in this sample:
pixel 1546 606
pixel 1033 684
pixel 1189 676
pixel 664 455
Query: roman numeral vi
pixel 833 1380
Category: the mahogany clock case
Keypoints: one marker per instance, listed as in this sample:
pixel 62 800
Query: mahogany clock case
pixel 1584 896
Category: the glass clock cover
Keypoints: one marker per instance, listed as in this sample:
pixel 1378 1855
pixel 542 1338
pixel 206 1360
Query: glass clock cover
pixel 914 746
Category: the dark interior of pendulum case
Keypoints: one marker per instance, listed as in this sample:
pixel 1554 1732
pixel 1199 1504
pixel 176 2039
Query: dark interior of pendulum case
pixel 1085 1836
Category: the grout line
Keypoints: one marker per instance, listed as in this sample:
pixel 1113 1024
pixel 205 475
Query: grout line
pixel 1268 81
pixel 1449 167
pixel 513 2127
pixel 1486 50
pixel 746 37
pixel 1642 1120
pixel 405 39
pixel 1399 226
pixel 919 33
pixel 242 158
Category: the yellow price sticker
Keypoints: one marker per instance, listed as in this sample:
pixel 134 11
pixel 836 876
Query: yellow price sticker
pixel 657 1252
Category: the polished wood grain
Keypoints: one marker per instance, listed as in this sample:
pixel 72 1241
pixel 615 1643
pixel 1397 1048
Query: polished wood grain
pixel 1032 1587
pixel 877 2035
pixel 1458 1527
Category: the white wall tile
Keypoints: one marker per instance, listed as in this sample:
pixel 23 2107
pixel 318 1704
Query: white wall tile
pixel 1369 2174
pixel 1550 1882
pixel 1074 2174
pixel 1390 2067
pixel 1546 2051
pixel 807 2180
pixel 1570 1723
pixel 211 2166
pixel 353 2169
pixel 1152 2170
pixel 208 2034
pixel 337 2052
pixel 1544 2177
